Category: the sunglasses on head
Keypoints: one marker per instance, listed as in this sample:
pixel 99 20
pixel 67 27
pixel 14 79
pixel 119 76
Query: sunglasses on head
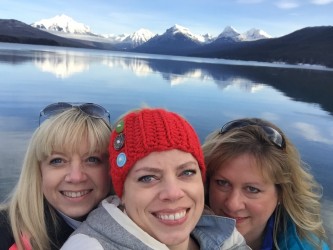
pixel 273 135
pixel 91 109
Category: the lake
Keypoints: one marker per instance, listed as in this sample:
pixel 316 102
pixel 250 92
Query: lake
pixel 208 92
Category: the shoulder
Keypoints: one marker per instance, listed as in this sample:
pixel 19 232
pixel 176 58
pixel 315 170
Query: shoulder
pixel 217 232
pixel 109 228
pixel 80 241
pixel 291 241
pixel 57 228
pixel 6 239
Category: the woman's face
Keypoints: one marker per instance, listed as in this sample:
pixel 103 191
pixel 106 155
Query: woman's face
pixel 164 195
pixel 239 190
pixel 74 183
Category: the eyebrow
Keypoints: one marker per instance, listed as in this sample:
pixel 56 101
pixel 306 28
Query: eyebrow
pixel 148 169
pixel 158 170
pixel 245 183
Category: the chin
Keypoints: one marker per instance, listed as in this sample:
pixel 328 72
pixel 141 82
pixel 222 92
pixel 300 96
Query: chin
pixel 77 215
pixel 174 240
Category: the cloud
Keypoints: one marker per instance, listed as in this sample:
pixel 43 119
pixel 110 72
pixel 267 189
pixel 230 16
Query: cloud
pixel 321 2
pixel 286 4
pixel 311 133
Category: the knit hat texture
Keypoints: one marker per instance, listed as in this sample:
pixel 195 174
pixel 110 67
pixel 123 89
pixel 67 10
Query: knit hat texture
pixel 142 132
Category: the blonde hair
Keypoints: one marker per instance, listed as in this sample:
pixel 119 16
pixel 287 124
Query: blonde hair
pixel 64 132
pixel 299 193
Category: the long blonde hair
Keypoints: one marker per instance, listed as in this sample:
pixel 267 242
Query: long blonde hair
pixel 65 131
pixel 298 191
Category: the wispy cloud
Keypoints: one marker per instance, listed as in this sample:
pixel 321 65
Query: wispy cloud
pixel 287 4
pixel 321 2
pixel 311 133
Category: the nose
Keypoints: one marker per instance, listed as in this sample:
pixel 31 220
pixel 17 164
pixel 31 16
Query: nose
pixel 76 172
pixel 171 190
pixel 234 201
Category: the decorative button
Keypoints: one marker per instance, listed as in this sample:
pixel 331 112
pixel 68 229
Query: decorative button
pixel 120 126
pixel 119 141
pixel 121 160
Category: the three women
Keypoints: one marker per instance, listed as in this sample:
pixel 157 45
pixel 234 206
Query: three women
pixel 255 176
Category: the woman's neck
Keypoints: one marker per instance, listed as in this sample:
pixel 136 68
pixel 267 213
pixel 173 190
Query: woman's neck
pixel 193 245
pixel 190 245
pixel 254 244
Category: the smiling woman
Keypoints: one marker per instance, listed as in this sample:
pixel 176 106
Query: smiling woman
pixel 256 176
pixel 64 176
pixel 158 172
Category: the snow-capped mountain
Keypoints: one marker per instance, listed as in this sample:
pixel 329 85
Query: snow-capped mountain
pixel 254 34
pixel 208 38
pixel 125 41
pixel 229 34
pixel 139 37
pixel 62 23
pixel 115 38
pixel 180 41
pixel 174 40
pixel 65 26
pixel 177 29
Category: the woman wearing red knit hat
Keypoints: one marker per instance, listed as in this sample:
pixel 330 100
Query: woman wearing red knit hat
pixel 158 173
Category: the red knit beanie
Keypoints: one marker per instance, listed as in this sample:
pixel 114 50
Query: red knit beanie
pixel 141 132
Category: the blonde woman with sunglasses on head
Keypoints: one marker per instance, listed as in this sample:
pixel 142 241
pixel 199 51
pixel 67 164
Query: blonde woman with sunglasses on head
pixel 255 175
pixel 64 176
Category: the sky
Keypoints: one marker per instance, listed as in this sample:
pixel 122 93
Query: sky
pixel 275 17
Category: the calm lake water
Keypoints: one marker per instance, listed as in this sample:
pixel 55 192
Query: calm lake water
pixel 208 92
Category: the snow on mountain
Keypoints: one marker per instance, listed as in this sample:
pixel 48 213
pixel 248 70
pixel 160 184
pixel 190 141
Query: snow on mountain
pixel 177 29
pixel 174 41
pixel 65 26
pixel 62 23
pixel 208 38
pixel 115 38
pixel 139 37
pixel 229 33
pixel 254 34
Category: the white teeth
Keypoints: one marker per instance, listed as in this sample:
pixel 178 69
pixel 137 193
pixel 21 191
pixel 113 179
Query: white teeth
pixel 75 194
pixel 175 216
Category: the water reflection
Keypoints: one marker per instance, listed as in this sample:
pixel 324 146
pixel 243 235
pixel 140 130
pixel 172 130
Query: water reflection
pixel 294 83
pixel 61 65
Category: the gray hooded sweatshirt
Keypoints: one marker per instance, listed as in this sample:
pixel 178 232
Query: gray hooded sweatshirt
pixel 107 227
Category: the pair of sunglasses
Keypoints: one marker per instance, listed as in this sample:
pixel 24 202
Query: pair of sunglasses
pixel 273 135
pixel 91 109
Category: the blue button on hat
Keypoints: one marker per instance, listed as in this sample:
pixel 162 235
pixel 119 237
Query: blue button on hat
pixel 121 160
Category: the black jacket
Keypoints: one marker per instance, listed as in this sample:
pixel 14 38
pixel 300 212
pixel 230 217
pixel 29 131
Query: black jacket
pixel 58 234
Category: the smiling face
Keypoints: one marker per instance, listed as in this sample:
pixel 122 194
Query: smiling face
pixel 239 190
pixel 164 195
pixel 74 183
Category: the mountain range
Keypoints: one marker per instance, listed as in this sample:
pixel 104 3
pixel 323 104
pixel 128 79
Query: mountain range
pixel 65 26
pixel 311 45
